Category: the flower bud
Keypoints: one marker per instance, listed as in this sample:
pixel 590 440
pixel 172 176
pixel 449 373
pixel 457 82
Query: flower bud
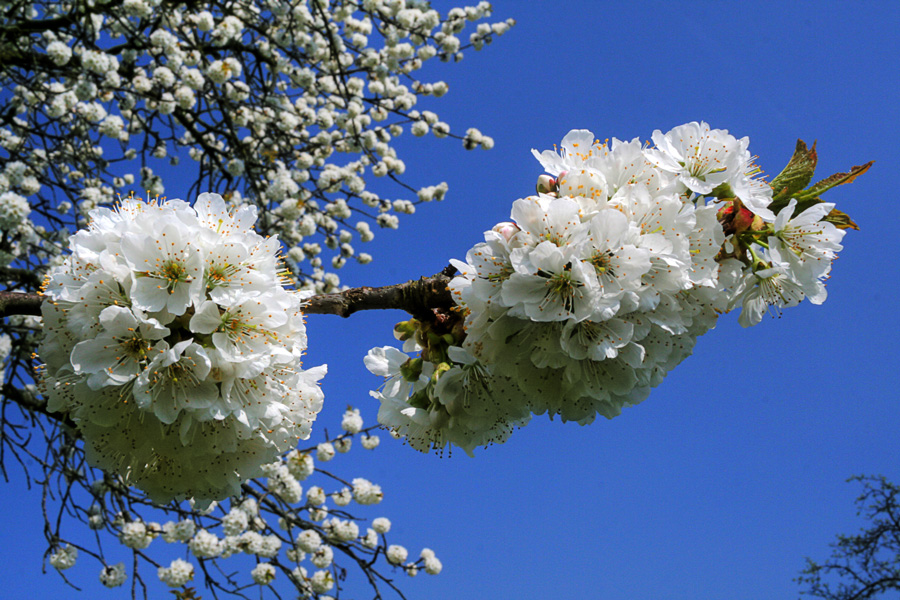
pixel 411 369
pixel 546 184
pixel 440 369
pixel 740 220
pixel 506 229
pixel 433 338
pixel 405 330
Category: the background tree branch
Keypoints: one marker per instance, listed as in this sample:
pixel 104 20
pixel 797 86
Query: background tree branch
pixel 866 564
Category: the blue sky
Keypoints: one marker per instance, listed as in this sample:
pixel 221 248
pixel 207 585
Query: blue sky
pixel 734 469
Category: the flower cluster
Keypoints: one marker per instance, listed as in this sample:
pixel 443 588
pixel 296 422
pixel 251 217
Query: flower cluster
pixel 177 574
pixel 289 105
pixel 601 284
pixel 64 558
pixel 173 345
pixel 275 523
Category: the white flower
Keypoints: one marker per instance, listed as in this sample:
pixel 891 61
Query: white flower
pixel 433 566
pixel 192 78
pixel 308 540
pixel 341 531
pixel 321 581
pixel 113 575
pixel 771 287
pixel 263 573
pixel 164 77
pixel 176 379
pixel 755 193
pixel 599 287
pixel 221 71
pixel 186 99
pixel 702 158
pixel 544 218
pixel 112 127
pixel 250 507
pixel 64 558
pixel 315 496
pixel 575 148
pixel 14 210
pixel 343 445
pixel 322 556
pixel 324 452
pixel 388 362
pixel 135 535
pixel 181 531
pixel 396 554
pixel 183 347
pixel 342 498
pixel 177 574
pixel 59 52
pixel 228 28
pixel 352 422
pixel 282 483
pixel 300 464
pixel 550 284
pixel 806 242
pixel 235 522
pixel 617 263
pixel 271 544
pixel 365 492
pixel 167 266
pixel 381 525
pixel 370 540
pixel 205 545
pixel 204 20
pixel 137 8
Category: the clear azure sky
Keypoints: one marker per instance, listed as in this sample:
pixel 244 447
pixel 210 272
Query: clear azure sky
pixel 734 469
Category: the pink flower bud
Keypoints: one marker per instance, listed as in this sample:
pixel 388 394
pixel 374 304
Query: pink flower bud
pixel 506 229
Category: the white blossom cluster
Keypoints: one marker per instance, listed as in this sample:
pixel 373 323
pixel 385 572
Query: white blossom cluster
pixel 601 284
pixel 113 575
pixel 177 574
pixel 172 343
pixel 305 544
pixel 288 104
pixel 64 558
pixel 285 105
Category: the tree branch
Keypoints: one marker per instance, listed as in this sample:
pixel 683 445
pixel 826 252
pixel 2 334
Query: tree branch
pixel 27 276
pixel 35 404
pixel 14 303
pixel 417 297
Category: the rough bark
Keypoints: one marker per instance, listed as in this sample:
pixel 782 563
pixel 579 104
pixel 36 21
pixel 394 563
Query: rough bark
pixel 417 297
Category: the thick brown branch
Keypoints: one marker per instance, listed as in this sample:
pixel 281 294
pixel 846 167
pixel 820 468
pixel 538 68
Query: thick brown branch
pixel 14 303
pixel 417 297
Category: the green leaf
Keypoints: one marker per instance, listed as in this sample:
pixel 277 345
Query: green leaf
pixel 802 205
pixel 797 174
pixel 841 220
pixel 835 180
